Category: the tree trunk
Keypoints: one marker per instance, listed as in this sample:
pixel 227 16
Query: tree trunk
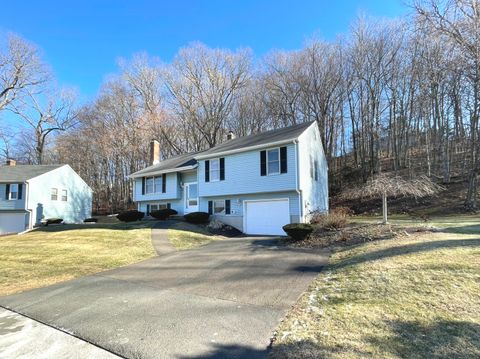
pixel 384 209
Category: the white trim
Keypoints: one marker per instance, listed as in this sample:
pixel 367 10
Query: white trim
pixel 185 199
pixel 244 149
pixel 159 172
pixel 279 161
pixel 244 220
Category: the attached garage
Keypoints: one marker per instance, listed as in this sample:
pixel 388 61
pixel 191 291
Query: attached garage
pixel 266 217
pixel 12 222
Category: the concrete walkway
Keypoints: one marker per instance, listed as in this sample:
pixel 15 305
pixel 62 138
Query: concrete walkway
pixel 221 300
pixel 21 337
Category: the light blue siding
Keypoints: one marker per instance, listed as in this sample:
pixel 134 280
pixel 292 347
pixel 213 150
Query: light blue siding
pixel 242 176
pixel 189 176
pixel 11 205
pixel 172 190
pixel 176 204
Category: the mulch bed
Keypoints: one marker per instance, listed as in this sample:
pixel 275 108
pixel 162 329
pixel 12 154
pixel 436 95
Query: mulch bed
pixel 358 233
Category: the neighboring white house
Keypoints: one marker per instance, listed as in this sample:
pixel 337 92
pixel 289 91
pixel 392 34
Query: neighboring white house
pixel 255 183
pixel 32 193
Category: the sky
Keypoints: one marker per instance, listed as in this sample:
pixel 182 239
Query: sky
pixel 82 40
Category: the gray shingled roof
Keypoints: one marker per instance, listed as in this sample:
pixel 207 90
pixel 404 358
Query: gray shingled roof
pixel 21 173
pixel 170 164
pixel 264 138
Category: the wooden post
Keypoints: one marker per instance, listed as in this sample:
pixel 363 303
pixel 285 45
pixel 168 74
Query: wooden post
pixel 384 208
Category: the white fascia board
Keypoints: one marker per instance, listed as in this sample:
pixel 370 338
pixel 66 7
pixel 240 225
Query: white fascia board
pixel 179 169
pixel 245 149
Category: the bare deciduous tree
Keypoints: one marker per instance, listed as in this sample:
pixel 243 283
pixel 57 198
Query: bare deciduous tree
pixel 20 69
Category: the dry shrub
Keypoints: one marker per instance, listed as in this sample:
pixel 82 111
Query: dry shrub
pixel 337 218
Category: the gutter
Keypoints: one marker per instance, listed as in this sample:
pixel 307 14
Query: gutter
pixel 297 184
pixel 159 172
pixel 244 149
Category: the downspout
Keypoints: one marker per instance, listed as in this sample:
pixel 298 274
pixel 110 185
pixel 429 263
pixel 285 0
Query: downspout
pixel 27 191
pixel 297 184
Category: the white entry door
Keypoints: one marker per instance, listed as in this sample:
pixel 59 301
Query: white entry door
pixel 190 191
pixel 266 217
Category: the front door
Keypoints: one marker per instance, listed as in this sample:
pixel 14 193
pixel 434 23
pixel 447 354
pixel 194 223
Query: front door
pixel 191 197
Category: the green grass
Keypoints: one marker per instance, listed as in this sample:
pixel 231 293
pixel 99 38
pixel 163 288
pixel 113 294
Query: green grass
pixel 184 236
pixel 413 297
pixel 57 253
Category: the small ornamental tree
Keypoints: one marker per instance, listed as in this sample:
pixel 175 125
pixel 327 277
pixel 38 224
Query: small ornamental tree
pixel 384 186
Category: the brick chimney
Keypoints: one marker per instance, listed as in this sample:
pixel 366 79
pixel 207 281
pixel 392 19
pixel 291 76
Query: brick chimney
pixel 230 135
pixel 11 163
pixel 154 152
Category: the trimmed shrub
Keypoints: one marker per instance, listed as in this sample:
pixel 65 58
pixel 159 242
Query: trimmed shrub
pixel 53 221
pixel 130 216
pixel 298 231
pixel 337 218
pixel 197 217
pixel 163 214
pixel 90 220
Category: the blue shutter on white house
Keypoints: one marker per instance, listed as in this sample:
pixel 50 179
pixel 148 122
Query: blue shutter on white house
pixel 20 191
pixel 164 183
pixel 227 206
pixel 143 185
pixel 263 163
pixel 207 171
pixel 222 169
pixel 283 159
pixel 210 207
pixel 7 191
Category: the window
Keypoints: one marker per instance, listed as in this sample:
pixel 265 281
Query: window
pixel 149 185
pixel 219 207
pixel 273 159
pixel 64 195
pixel 153 185
pixel 158 184
pixel 13 191
pixel 54 194
pixel 157 206
pixel 215 170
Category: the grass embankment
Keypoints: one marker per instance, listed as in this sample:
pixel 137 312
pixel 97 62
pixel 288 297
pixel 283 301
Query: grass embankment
pixel 414 296
pixel 58 253
pixel 184 236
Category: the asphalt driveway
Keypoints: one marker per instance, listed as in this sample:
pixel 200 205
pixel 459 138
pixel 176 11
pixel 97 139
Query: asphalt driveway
pixel 220 300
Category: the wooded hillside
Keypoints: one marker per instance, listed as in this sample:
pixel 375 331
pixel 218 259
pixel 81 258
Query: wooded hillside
pixel 391 95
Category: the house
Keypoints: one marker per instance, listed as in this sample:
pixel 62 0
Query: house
pixel 256 183
pixel 32 193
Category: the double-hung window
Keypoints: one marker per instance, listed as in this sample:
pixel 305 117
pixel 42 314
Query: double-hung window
pixel 219 207
pixel 64 195
pixel 13 191
pixel 158 184
pixel 150 185
pixel 54 194
pixel 273 161
pixel 215 170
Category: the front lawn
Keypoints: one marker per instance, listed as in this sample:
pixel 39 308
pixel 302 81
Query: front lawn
pixel 184 235
pixel 415 296
pixel 57 253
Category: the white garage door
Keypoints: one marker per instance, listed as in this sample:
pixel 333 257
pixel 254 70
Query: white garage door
pixel 12 222
pixel 266 217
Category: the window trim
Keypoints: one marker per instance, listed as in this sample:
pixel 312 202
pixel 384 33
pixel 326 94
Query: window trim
pixel 278 161
pixel 10 197
pixel 155 189
pixel 52 195
pixel 224 212
pixel 217 170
